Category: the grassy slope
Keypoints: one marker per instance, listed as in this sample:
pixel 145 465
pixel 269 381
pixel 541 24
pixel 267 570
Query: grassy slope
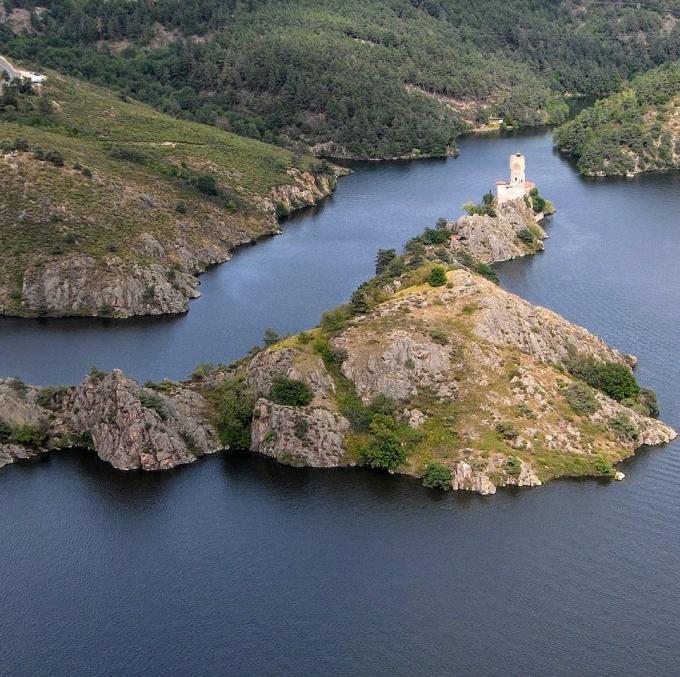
pixel 635 130
pixel 50 208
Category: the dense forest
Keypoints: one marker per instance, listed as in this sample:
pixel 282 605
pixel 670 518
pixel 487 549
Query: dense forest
pixel 369 78
pixel 632 131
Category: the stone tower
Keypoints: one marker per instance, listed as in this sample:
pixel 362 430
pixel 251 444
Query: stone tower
pixel 517 169
pixel 518 186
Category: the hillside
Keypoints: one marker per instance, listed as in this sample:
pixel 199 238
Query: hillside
pixel 370 78
pixel 431 370
pixel 111 208
pixel 636 130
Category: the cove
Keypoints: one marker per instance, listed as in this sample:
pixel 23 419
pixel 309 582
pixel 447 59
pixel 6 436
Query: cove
pixel 236 565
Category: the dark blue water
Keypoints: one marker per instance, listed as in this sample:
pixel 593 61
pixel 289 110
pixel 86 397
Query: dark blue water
pixel 238 566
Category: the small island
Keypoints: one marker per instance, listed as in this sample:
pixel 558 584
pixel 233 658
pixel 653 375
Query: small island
pixel 430 370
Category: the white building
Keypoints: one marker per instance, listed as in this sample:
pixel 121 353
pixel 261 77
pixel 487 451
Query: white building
pixel 518 186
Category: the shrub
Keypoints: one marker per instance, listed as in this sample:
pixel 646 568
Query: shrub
pixel 233 408
pixel 55 157
pixel 359 303
pixel 151 400
pixel 513 466
pixel 96 374
pixel 624 427
pixel 603 467
pixel 46 395
pixel 486 271
pixel 581 398
pixel 507 430
pixel 206 184
pixel 525 236
pixel 437 277
pixel 437 476
pixel 383 259
pixel 5 431
pixel 384 451
pixel 270 338
pixel 440 337
pixel 28 436
pixel 331 356
pixel 335 320
pixel 202 370
pixel 22 145
pixel 290 392
pixel 181 208
pixel 613 379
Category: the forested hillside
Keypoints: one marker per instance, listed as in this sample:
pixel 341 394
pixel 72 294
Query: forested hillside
pixel 368 78
pixel 636 130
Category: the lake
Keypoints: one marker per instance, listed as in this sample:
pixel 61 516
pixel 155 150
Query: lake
pixel 236 565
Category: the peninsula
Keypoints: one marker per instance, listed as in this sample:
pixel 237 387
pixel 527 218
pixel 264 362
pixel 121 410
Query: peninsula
pixel 431 370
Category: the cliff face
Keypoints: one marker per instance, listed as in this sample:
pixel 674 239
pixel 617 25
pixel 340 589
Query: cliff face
pixel 491 239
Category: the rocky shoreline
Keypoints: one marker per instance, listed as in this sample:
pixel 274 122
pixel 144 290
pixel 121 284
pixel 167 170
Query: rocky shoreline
pixel 82 285
pixel 461 381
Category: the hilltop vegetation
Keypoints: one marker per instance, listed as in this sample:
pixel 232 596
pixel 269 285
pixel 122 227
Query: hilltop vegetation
pixel 362 78
pixel 111 207
pixel 635 130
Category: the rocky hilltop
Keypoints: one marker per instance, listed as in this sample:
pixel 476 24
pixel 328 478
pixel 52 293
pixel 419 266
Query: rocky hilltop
pixel 110 210
pixel 432 370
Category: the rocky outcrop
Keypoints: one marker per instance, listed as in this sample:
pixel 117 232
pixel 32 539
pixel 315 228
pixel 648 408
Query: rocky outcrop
pixel 292 364
pixel 20 413
pixel 491 239
pixel 464 478
pixel 505 319
pixel 307 189
pixel 134 427
pixel 396 364
pixel 82 285
pixel 299 436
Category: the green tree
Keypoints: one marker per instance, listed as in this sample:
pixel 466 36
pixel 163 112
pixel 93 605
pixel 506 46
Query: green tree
pixel 437 277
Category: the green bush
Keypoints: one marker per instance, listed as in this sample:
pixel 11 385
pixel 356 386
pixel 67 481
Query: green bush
pixel 301 427
pixel 603 467
pixel 290 392
pixel 383 259
pixel 513 466
pixel 507 430
pixel 437 476
pixel 55 157
pixel 46 396
pixel 624 427
pixel 525 236
pixel 581 398
pixel 385 451
pixel 437 277
pixel 335 320
pixel 612 378
pixel 439 336
pixel 232 405
pixel 150 400
pixel 28 436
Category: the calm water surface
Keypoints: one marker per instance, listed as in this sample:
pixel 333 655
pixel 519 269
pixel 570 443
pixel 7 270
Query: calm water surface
pixel 238 566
